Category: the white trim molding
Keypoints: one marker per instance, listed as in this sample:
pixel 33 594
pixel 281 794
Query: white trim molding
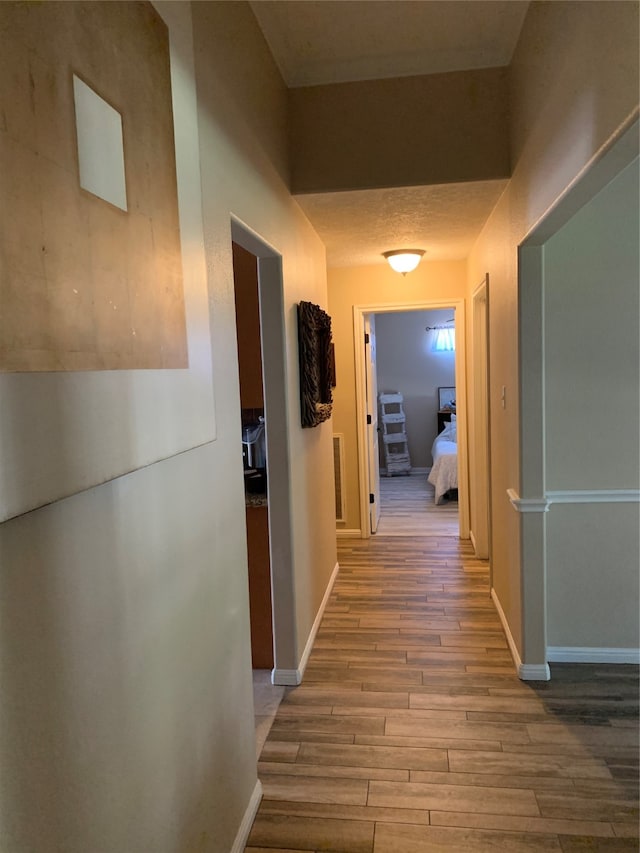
pixel 316 623
pixel 242 836
pixel 293 677
pixel 595 496
pixel 534 672
pixel 572 496
pixel 286 677
pixel 458 305
pixel 414 472
pixel 526 671
pixel 515 654
pixel 351 533
pixel 586 654
pixel 473 541
pixel 527 504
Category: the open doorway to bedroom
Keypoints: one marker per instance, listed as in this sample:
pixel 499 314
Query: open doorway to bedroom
pixel 411 399
pixel 416 385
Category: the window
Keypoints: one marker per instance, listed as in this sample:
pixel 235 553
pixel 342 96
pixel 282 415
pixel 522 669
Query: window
pixel 444 340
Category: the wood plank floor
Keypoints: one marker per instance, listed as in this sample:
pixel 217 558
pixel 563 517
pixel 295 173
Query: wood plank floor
pixel 411 731
pixel 407 508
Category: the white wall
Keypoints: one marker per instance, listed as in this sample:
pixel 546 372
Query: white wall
pixel 592 401
pixel 127 718
pixel 407 363
pixel 591 343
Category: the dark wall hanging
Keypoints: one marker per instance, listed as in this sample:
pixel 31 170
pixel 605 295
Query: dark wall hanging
pixel 314 345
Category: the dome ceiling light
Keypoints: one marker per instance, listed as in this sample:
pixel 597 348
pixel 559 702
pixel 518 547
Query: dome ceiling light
pixel 403 260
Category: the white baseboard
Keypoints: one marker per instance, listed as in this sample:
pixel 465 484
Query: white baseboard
pixel 475 547
pixel 286 677
pixel 526 671
pixel 316 623
pixel 293 677
pixel 247 820
pixel 586 654
pixel 351 533
pixel 515 654
pixel 417 472
pixel 473 541
pixel 534 672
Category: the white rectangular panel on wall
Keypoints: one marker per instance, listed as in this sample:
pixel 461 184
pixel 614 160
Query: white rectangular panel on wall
pixel 100 145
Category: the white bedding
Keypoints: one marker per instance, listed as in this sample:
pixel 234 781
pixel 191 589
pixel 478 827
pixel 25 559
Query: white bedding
pixel 444 474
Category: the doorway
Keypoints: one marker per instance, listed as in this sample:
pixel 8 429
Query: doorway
pixel 248 334
pixel 418 436
pixel 278 500
pixel 367 412
pixel 373 430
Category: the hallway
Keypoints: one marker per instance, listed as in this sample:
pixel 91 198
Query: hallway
pixel 411 731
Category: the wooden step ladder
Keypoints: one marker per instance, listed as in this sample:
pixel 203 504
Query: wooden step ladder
pixel 394 436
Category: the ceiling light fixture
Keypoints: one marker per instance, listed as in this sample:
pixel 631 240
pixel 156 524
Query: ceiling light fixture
pixel 403 260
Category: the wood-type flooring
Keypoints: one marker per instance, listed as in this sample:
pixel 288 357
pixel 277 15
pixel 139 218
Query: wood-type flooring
pixel 408 508
pixel 411 731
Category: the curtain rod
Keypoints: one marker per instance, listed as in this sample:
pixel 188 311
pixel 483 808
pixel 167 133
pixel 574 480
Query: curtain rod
pixel 435 328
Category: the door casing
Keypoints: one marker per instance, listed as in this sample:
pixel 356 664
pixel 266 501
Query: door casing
pixel 480 523
pixel 371 410
pixel 359 314
pixel 274 365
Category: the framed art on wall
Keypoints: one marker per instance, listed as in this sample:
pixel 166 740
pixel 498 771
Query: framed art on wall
pixel 446 398
pixel 316 371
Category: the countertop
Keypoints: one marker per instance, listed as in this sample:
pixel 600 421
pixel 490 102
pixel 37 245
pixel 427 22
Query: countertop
pixel 251 500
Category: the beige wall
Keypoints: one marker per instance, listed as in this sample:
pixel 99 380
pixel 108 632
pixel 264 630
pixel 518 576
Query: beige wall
pixel 567 99
pixel 374 286
pixel 433 129
pixel 592 396
pixel 67 430
pixel 81 290
pixel 127 700
pixel 240 178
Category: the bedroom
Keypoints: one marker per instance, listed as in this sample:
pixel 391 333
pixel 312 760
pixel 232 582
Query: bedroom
pixel 415 356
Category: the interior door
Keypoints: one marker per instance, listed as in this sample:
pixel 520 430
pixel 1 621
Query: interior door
pixel 371 389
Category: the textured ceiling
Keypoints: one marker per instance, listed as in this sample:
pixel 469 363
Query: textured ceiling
pixel 356 227
pixel 323 41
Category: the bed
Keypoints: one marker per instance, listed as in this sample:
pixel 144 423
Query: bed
pixel 444 473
